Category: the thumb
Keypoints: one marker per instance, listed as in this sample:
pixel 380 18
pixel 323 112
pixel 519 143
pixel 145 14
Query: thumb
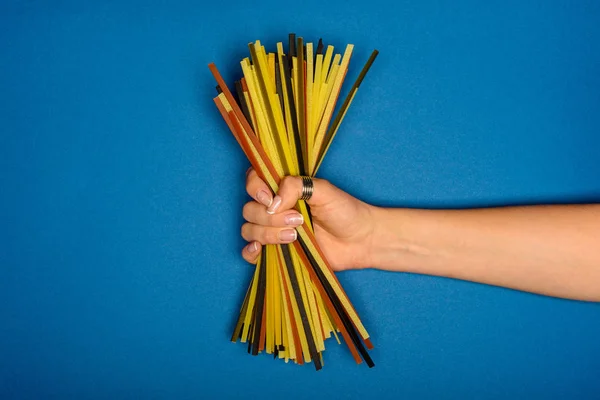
pixel 290 191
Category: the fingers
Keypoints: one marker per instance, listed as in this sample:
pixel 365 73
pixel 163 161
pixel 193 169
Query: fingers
pixel 258 189
pixel 251 251
pixel 268 234
pixel 257 214
pixel 263 227
pixel 272 220
pixel 290 190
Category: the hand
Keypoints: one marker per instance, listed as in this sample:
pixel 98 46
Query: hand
pixel 343 225
pixel 551 250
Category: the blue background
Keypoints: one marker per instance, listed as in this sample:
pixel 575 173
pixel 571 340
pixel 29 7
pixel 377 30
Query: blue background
pixel 121 192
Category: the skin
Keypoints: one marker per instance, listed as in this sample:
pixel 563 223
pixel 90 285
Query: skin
pixel 549 250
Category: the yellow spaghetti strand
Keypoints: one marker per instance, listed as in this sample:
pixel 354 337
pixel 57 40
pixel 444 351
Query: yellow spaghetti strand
pixel 327 63
pixel 331 103
pixel 309 99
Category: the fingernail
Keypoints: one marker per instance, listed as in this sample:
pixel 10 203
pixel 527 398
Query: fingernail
pixel 264 198
pixel 252 247
pixel 294 219
pixel 274 205
pixel 288 235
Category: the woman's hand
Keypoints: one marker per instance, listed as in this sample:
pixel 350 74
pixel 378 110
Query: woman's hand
pixel 551 250
pixel 343 224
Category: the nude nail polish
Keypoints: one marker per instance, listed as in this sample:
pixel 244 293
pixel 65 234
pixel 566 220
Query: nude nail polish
pixel 294 219
pixel 264 198
pixel 288 235
pixel 252 247
pixel 274 205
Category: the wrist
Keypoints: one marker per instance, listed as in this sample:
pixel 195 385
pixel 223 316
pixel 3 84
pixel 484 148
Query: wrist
pixel 395 243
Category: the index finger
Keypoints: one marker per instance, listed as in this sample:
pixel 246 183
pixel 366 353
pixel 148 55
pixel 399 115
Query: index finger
pixel 257 188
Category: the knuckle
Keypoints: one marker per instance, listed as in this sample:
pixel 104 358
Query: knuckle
pixel 245 231
pixel 287 181
pixel 246 211
pixel 289 184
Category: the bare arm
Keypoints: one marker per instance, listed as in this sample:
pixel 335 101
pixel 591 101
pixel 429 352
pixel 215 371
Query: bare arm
pixel 550 250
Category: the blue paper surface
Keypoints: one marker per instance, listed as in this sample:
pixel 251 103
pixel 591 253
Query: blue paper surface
pixel 121 192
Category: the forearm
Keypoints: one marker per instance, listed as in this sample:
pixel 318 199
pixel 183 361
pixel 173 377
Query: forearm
pixel 551 250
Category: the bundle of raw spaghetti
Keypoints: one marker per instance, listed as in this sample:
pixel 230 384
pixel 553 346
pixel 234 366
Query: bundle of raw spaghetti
pixel 283 120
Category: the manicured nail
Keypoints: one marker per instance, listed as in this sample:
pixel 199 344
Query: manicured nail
pixel 274 205
pixel 252 247
pixel 294 219
pixel 264 198
pixel 288 235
